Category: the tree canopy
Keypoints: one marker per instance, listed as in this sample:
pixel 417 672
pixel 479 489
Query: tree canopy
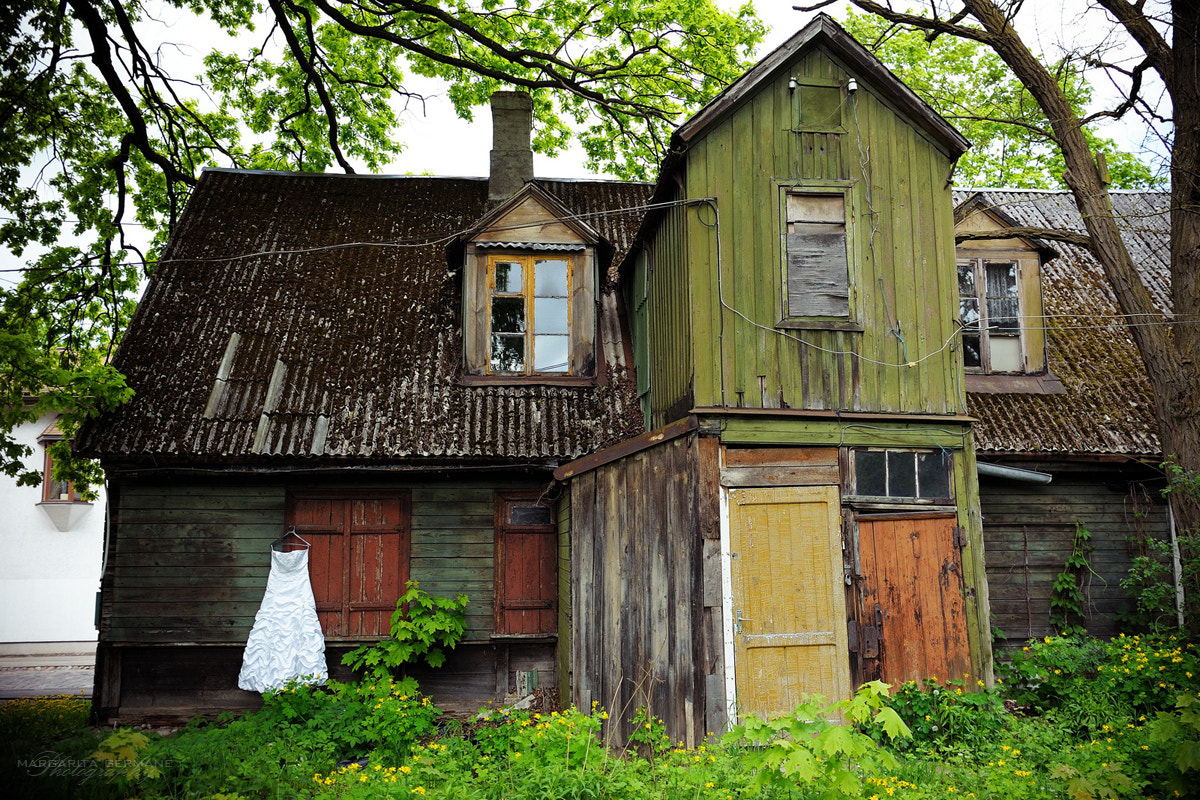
pixel 1012 144
pixel 97 133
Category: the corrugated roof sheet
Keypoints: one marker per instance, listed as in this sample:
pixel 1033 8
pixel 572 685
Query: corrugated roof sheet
pixel 1107 407
pixel 354 352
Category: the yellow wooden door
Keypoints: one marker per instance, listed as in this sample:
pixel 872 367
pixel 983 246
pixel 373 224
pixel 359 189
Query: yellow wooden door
pixel 789 602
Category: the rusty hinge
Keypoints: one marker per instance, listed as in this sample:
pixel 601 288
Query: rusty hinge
pixel 960 537
pixel 852 635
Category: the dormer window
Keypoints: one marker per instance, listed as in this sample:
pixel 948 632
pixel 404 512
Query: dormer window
pixel 529 294
pixel 529 321
pixel 989 309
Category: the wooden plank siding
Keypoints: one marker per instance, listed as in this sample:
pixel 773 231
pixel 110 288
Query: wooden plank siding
pixel 638 638
pixel 892 356
pixel 190 563
pixel 1029 532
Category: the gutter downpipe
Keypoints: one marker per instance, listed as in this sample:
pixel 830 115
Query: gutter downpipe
pixel 1013 473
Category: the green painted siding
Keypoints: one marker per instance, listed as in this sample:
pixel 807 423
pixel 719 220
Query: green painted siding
pixel 190 562
pixel 728 264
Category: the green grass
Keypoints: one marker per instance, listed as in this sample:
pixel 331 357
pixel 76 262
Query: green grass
pixel 1099 719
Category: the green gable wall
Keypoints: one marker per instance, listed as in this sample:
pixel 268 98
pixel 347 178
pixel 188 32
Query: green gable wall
pixel 900 227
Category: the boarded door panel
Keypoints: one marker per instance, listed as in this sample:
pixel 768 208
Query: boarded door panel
pixel 788 597
pixel 526 566
pixel 359 558
pixel 911 570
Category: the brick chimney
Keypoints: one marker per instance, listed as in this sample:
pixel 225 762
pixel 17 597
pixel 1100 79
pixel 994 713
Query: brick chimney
pixel 512 158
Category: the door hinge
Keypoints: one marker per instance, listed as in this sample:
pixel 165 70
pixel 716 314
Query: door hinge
pixel 960 537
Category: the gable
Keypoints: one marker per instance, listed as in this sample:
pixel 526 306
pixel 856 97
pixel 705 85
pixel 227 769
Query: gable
pixel 530 221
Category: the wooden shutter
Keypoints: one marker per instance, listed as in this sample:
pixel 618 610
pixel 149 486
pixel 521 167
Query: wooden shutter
pixel 526 566
pixel 359 558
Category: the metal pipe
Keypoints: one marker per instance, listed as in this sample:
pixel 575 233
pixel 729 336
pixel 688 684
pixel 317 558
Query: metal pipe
pixel 1013 473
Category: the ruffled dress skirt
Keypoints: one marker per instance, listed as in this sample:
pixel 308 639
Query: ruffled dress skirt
pixel 286 642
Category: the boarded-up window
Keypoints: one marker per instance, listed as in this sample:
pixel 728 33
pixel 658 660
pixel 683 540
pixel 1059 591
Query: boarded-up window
pixel 817 107
pixel 818 275
pixel 526 566
pixel 359 557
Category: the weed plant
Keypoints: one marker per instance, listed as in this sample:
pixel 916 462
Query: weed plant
pixel 1095 720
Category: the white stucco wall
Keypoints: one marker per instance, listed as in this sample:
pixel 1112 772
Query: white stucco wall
pixel 48 577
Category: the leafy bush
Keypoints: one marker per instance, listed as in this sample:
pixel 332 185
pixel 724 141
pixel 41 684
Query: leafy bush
pixel 810 749
pixel 947 715
pixel 1087 683
pixel 423 628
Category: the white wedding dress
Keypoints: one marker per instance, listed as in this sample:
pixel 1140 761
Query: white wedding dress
pixel 286 642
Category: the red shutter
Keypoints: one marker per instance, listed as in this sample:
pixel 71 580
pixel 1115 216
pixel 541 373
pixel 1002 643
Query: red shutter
pixel 359 557
pixel 526 566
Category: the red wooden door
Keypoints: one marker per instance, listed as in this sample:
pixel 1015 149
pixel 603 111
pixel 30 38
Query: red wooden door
pixel 911 611
pixel 526 566
pixel 358 562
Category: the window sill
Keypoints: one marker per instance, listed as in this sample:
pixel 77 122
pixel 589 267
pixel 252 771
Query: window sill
pixel 526 380
pixel 820 325
pixel 996 383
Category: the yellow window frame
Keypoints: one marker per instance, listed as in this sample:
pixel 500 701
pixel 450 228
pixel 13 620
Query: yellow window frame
pixel 527 262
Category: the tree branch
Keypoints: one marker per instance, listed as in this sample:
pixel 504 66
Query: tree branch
pixel 1026 232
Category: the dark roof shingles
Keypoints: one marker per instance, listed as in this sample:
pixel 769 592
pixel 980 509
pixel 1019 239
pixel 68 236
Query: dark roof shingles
pixel 1107 407
pixel 368 336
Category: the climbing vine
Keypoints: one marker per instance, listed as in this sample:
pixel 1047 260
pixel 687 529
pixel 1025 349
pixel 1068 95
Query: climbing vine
pixel 1067 594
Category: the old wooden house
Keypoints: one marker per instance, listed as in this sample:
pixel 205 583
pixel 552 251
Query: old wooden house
pixel 1065 433
pixel 804 514
pixel 703 459
pixel 358 357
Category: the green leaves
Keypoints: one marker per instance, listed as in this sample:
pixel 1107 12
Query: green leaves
pixel 423 627
pixel 968 84
pixel 99 137
pixel 824 748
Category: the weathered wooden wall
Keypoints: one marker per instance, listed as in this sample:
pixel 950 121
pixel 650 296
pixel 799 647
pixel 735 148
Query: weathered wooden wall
pixel 641 631
pixel 1030 530
pixel 188 563
pixel 726 270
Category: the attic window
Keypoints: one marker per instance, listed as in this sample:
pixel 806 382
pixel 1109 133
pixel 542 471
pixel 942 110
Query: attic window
pixel 817 267
pixel 989 309
pixel 529 314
